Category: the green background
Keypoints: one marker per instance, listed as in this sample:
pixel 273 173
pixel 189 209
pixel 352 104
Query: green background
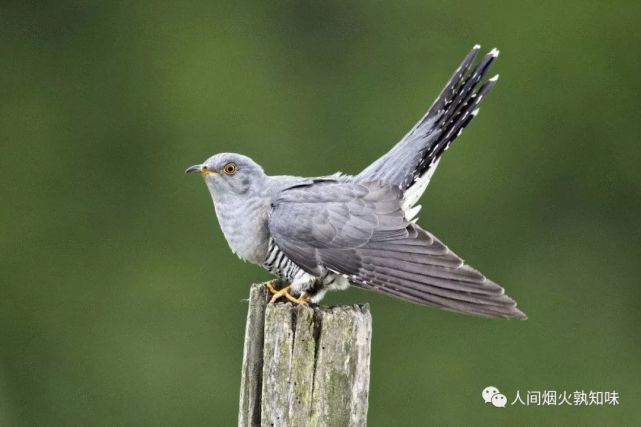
pixel 120 302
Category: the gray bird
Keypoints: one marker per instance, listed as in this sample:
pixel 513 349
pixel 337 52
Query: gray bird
pixel 319 234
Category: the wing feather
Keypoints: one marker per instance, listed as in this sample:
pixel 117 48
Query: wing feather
pixel 359 230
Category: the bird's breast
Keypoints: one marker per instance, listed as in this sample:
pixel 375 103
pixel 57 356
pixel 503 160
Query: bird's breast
pixel 243 222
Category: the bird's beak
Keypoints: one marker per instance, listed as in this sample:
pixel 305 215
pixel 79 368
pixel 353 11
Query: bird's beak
pixel 199 168
pixel 193 168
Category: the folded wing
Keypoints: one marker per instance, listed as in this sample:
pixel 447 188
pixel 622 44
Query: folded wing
pixel 359 230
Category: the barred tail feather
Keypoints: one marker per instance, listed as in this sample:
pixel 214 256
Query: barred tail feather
pixel 459 106
pixel 411 163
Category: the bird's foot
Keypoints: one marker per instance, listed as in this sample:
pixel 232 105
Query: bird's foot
pixel 303 299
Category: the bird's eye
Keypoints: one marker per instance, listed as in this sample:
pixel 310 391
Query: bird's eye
pixel 230 168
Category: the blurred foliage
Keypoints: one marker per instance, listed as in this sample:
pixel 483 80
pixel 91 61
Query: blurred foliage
pixel 120 303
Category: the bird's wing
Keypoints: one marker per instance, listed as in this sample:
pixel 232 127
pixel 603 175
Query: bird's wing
pixel 359 231
pixel 411 162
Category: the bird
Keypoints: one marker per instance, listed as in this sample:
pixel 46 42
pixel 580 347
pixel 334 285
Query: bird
pixel 316 234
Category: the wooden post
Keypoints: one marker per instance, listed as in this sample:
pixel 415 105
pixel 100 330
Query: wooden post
pixel 304 366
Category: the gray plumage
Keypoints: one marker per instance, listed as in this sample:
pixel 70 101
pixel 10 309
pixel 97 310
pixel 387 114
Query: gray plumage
pixel 325 233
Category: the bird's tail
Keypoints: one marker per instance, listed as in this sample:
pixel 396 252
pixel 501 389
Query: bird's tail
pixel 412 161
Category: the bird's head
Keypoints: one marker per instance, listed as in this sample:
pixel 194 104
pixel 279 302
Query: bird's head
pixel 229 173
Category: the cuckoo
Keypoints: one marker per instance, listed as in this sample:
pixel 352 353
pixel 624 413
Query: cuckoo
pixel 324 233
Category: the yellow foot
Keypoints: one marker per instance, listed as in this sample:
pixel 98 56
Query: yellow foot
pixel 303 299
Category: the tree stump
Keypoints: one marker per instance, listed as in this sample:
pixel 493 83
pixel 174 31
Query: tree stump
pixel 304 366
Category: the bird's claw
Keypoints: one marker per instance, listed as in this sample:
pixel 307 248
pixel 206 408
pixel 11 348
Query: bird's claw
pixel 303 299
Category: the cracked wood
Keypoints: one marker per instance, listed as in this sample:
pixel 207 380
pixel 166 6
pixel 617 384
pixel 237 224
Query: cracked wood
pixel 304 366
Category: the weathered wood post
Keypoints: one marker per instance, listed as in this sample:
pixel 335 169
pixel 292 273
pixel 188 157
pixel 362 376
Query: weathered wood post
pixel 304 366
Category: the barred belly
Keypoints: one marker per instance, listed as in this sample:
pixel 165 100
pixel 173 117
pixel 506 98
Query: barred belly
pixel 277 263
